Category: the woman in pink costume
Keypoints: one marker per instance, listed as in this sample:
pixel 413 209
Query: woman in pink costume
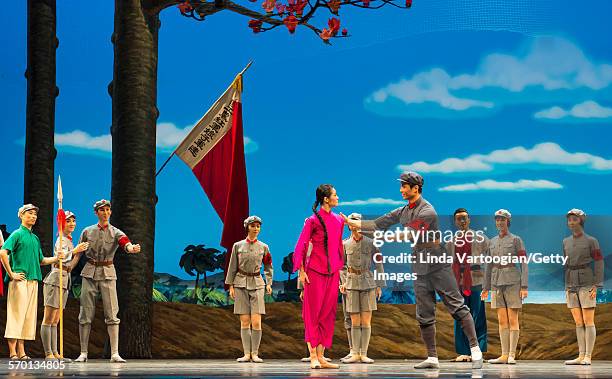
pixel 321 274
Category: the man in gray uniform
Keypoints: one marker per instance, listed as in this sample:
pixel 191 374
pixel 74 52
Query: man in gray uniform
pixel 361 289
pixel 247 286
pixel 470 277
pixel 508 284
pixel 99 277
pixel 419 215
pixel 584 274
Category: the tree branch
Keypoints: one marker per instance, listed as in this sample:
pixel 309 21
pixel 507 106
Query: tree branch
pixel 202 8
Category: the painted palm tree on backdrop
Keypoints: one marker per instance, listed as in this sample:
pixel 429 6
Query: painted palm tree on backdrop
pixel 287 267
pixel 200 259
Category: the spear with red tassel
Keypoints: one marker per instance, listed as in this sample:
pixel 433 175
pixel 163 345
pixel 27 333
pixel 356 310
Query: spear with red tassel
pixel 61 223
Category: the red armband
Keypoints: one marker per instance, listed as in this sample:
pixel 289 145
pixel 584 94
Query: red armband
pixel 522 253
pixel 123 241
pixel 596 254
pixel 267 259
pixel 418 225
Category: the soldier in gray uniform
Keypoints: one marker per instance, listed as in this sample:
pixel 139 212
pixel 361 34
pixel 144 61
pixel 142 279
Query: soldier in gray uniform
pixel 246 286
pixel 582 282
pixel 51 287
pixel 470 278
pixel 99 277
pixel 508 285
pixel 361 289
pixel 432 277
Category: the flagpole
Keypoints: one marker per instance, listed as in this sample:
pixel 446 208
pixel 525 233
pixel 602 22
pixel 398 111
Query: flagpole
pixel 246 68
pixel 174 152
pixel 165 163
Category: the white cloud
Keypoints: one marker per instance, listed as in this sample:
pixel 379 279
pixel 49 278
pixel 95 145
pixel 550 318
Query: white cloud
pixel 373 201
pixel 493 185
pixel 584 111
pixel 250 146
pixel 168 137
pixel 83 140
pixel 548 64
pixel 427 86
pixel 543 155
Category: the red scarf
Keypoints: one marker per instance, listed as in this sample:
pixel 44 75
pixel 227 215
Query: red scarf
pixel 464 280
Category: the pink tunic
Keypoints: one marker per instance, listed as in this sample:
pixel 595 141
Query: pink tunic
pixel 321 261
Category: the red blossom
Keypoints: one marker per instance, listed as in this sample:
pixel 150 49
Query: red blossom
pixel 255 25
pixel 334 6
pixel 300 7
pixel 291 23
pixel 326 34
pixel 269 5
pixel 334 26
pixel 297 6
pixel 366 3
pixel 280 8
pixel 344 32
pixel 408 3
pixel 185 7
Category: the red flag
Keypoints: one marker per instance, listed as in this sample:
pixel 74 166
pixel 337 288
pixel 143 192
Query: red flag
pixel 214 150
pixel 222 174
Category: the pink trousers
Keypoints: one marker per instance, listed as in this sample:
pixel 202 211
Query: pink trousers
pixel 319 308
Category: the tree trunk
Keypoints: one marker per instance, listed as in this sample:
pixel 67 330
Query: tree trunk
pixel 195 287
pixel 40 117
pixel 134 94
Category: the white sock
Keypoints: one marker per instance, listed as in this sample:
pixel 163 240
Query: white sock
pixel 476 353
pixel 432 359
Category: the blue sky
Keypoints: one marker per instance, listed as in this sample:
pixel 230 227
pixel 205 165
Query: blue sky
pixel 507 104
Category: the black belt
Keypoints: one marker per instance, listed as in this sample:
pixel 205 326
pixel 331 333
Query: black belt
pixel 100 263
pixel 578 267
pixel 64 267
pixel 252 274
pixel 427 245
pixel 497 265
pixel 473 268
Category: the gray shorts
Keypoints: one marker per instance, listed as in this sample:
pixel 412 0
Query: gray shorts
pixel 51 296
pixel 507 297
pixel 580 299
pixel 249 301
pixel 360 301
pixel 347 316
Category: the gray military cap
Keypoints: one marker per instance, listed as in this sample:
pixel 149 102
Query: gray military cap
pixel 412 178
pixel 101 203
pixel 26 207
pixel 252 219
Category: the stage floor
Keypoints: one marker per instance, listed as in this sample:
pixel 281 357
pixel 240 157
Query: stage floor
pixel 290 368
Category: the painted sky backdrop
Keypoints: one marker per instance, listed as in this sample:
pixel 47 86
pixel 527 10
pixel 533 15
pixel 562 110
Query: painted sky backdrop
pixel 504 104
